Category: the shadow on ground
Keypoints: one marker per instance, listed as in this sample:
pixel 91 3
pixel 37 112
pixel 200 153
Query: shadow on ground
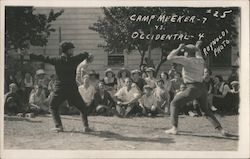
pixel 115 136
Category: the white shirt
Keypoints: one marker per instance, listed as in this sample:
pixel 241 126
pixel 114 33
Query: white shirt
pixel 147 101
pixel 87 93
pixel 126 95
pixel 224 88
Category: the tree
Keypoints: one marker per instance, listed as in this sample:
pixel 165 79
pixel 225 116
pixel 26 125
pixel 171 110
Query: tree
pixel 24 27
pixel 116 28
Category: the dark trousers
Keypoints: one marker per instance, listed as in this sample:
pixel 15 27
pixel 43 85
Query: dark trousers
pixel 193 91
pixel 70 93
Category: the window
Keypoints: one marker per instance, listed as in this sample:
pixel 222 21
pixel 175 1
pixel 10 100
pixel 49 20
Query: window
pixel 116 58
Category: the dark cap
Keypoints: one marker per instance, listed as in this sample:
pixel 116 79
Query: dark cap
pixel 66 45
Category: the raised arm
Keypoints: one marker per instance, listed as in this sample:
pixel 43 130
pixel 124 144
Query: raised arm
pixel 173 56
pixel 41 58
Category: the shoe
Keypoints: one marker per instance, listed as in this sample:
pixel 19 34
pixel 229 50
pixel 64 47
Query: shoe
pixel 57 129
pixel 173 131
pixel 87 129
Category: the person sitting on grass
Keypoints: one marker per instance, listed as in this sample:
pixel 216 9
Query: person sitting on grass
pixel 150 79
pixel 161 96
pixel 37 101
pixel 12 103
pixel 147 102
pixel 87 91
pixel 104 103
pixel 127 99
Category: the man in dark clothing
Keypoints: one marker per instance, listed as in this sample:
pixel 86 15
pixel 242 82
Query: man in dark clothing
pixel 65 84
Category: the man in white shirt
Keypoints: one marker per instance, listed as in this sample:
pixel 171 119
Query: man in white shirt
pixel 192 73
pixel 127 97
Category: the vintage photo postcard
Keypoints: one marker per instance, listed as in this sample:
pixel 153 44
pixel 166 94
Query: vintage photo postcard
pixel 124 79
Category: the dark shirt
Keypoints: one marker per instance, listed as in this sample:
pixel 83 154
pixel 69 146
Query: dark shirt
pixel 107 100
pixel 140 83
pixel 12 103
pixel 65 67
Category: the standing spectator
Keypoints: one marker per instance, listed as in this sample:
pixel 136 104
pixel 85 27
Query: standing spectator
pixel 110 81
pixel 37 101
pixel 93 78
pixel 87 92
pixel 172 71
pixel 20 85
pixel 143 68
pixel 220 100
pixel 127 99
pixel 104 103
pixel 168 87
pixel 121 76
pixel 148 102
pixel 13 103
pixel 150 79
pixel 28 86
pixel 81 69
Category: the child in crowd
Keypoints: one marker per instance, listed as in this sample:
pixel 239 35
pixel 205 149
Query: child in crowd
pixel 148 102
pixel 161 96
pixel 104 103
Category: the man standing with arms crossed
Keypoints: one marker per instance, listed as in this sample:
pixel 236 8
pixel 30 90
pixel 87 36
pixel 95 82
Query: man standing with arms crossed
pixel 192 72
pixel 65 84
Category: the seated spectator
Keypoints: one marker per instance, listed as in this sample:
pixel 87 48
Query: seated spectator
pixel 37 101
pixel 233 97
pixel 51 84
pixel 172 71
pixel 43 81
pixel 234 75
pixel 87 92
pixel 136 78
pixel 28 86
pixel 93 78
pixel 127 99
pixel 104 103
pixel 81 69
pixel 161 96
pixel 12 103
pixel 121 76
pixel 220 100
pixel 150 79
pixel 208 80
pixel 176 82
pixel 148 102
pixel 168 87
pixel 110 81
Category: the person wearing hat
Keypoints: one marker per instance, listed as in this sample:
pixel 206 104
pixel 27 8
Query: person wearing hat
pixel 81 69
pixel 192 72
pixel 110 81
pixel 121 76
pixel 40 79
pixel 136 78
pixel 65 86
pixel 150 79
pixel 148 102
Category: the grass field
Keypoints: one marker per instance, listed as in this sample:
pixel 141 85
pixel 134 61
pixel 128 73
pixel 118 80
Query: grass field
pixel 113 133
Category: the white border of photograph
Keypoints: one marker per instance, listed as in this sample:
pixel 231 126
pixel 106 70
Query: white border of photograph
pixel 243 150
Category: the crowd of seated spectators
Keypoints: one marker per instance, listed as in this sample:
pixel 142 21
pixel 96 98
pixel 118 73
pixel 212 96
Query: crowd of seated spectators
pixel 128 93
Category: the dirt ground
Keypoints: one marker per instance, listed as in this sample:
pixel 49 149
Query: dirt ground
pixel 113 133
